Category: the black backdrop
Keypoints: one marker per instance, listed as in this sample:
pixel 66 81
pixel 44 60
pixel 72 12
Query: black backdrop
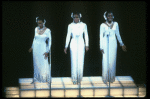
pixel 18 24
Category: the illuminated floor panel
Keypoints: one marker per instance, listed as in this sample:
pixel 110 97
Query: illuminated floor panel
pixel 93 86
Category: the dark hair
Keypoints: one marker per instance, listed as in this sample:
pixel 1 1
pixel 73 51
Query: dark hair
pixel 76 13
pixel 109 12
pixel 41 19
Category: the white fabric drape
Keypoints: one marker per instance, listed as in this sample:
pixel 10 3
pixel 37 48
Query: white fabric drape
pixel 114 32
pixel 77 48
pixel 41 66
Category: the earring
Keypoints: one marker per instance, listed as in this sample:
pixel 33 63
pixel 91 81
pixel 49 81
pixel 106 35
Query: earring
pixel 80 15
pixel 72 14
pixel 43 25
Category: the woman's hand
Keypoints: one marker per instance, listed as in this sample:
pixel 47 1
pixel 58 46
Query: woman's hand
pixel 102 51
pixel 30 50
pixel 124 48
pixel 65 50
pixel 87 48
pixel 46 55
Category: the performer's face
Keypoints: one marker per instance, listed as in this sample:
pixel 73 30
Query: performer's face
pixel 76 18
pixel 40 23
pixel 110 17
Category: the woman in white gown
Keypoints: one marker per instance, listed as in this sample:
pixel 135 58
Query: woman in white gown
pixel 40 52
pixel 76 29
pixel 111 29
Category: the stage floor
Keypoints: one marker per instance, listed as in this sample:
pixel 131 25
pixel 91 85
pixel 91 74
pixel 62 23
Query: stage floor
pixel 92 86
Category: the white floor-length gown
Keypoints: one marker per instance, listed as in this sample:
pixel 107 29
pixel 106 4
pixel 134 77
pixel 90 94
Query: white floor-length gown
pixel 113 33
pixel 42 71
pixel 77 48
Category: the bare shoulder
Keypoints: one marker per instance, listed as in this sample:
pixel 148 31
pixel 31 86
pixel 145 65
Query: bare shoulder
pixel 48 29
pixel 116 23
pixel 83 24
pixel 70 24
pixel 36 28
pixel 102 24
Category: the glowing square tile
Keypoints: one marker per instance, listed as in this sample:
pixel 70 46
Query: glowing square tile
pixel 27 93
pixel 67 80
pixel 130 91
pixel 142 88
pixel 12 96
pixel 12 88
pixel 124 78
pixel 25 80
pixel 115 92
pixel 12 92
pixel 129 84
pixel 96 79
pixel 130 96
pixel 42 93
pixel 71 93
pixel 142 93
pixel 85 80
pixel 86 92
pixel 26 86
pixel 42 86
pixel 101 92
pixel 56 80
pixel 57 93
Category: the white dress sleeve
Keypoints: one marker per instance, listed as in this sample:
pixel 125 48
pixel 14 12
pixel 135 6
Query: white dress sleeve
pixel 86 36
pixel 68 36
pixel 102 30
pixel 48 48
pixel 118 35
pixel 34 38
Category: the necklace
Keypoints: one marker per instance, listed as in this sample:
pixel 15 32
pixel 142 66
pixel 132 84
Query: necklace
pixel 40 32
pixel 109 25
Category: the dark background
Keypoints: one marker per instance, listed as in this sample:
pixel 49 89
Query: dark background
pixel 18 24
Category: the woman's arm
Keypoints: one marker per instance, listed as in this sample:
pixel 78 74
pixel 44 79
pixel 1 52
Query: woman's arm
pixel 68 36
pixel 102 30
pixel 49 41
pixel 86 36
pixel 101 36
pixel 34 38
pixel 118 35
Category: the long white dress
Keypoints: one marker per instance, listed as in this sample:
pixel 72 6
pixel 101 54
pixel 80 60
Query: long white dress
pixel 111 70
pixel 77 48
pixel 42 71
